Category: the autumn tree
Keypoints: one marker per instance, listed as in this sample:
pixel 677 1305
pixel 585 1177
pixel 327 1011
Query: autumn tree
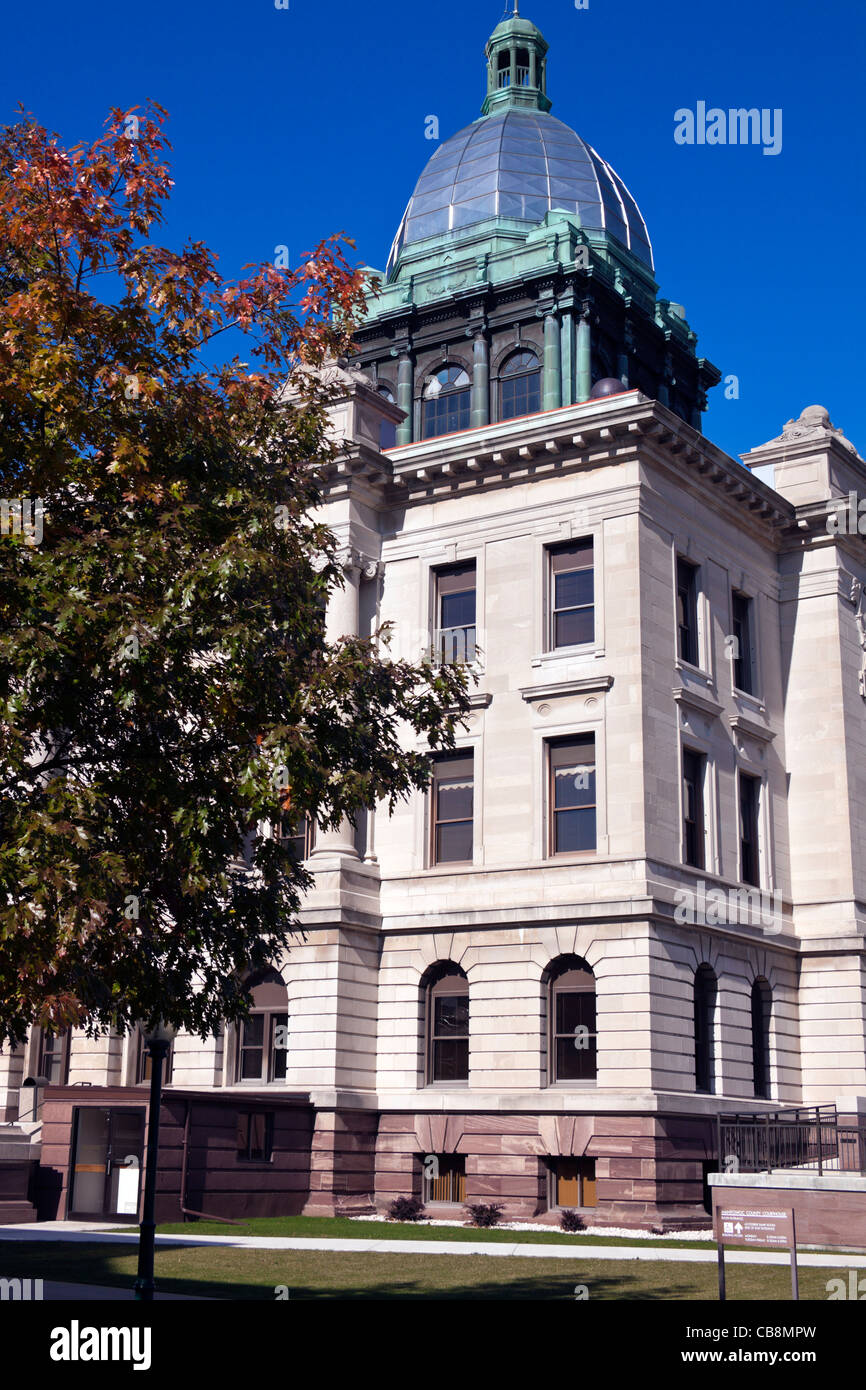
pixel 163 663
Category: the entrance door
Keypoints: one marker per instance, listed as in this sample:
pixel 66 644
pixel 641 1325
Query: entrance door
pixel 107 1149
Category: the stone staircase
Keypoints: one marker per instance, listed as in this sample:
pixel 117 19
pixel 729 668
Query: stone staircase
pixel 17 1176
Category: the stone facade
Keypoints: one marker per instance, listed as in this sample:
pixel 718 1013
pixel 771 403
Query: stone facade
pixel 765 900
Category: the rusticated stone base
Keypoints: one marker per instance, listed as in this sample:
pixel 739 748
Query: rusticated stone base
pixel 650 1170
pixel 342 1164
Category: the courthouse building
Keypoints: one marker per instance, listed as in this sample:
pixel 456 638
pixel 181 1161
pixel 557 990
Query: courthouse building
pixel 633 897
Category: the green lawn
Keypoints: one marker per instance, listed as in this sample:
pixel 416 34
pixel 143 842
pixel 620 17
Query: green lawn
pixel 342 1228
pixel 221 1272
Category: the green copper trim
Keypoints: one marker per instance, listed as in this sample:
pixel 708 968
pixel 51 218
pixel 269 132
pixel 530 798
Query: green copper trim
pixel 516 67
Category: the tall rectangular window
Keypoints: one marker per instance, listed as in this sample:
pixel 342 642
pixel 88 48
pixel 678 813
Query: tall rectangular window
pixel 694 765
pixel 749 788
pixel 453 809
pixel 572 799
pixel 573 1182
pixel 255 1136
pixel 298 835
pixel 572 594
pixel 687 611
pixel 454 639
pixel 742 622
pixel 445 1178
pixel 54 1056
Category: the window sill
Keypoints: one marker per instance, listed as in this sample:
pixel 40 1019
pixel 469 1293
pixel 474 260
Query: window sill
pixel 584 651
pixel 692 670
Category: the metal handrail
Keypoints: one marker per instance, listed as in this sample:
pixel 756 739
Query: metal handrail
pixel 800 1137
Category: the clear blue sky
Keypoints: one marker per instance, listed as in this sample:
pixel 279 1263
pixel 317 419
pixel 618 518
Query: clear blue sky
pixel 288 125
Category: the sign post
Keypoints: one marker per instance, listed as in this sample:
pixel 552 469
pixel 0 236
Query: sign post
pixel 768 1229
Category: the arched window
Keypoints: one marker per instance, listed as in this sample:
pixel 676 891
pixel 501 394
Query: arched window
pixel 573 1037
pixel 262 1037
pixel 762 1003
pixel 706 992
pixel 387 429
pixel 447 1023
pixel 520 385
pixel 446 405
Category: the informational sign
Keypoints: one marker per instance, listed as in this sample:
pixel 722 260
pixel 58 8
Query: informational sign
pixel 773 1229
pixel 127 1187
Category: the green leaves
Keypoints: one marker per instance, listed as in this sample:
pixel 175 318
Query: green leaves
pixel 162 650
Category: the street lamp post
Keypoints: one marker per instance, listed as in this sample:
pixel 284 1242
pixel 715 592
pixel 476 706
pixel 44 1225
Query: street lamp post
pixel 157 1041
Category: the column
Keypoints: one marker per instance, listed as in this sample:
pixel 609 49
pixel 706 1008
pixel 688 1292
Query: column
pixel 342 620
pixel 567 333
pixel 552 363
pixel 584 369
pixel 480 414
pixel 404 397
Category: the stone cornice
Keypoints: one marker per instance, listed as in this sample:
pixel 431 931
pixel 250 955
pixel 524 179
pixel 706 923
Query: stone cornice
pixel 614 430
pixel 704 704
pixel 584 685
pixel 741 724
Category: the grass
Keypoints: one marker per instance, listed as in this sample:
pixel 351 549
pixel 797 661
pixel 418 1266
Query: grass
pixel 221 1272
pixel 343 1228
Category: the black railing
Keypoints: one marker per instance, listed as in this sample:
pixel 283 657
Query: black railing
pixel 803 1137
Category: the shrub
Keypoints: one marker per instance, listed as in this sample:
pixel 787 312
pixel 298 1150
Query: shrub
pixel 570 1221
pixel 482 1214
pixel 407 1209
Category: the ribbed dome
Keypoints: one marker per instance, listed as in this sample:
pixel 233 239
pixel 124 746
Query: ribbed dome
pixel 520 164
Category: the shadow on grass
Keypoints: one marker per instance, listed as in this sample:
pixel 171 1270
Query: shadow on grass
pixel 322 1276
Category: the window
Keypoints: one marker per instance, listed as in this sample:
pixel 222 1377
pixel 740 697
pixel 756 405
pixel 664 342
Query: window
pixel 687 611
pixel 572 1182
pixel 299 836
pixel 454 638
pixel 453 803
pixel 446 403
pixel 762 1003
pixel 741 618
pixel 693 808
pixel 572 795
pixel 572 607
pixel 705 1027
pixel 53 1062
pixel 749 861
pixel 144 1062
pixel 445 1179
pixel 255 1135
pixel 387 429
pixel 447 1007
pixel 262 1038
pixel 520 386
pixel 573 1036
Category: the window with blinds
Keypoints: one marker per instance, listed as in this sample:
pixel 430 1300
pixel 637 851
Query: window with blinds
pixel 572 594
pixel 447 1180
pixel 573 1182
pixel 452 809
pixel 572 795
